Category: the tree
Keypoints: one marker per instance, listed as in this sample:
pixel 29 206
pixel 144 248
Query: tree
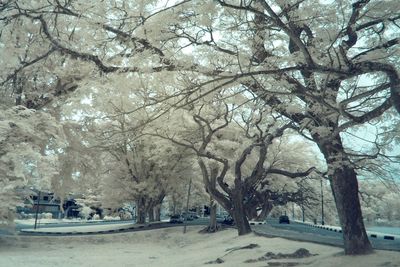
pixel 216 149
pixel 380 202
pixel 131 167
pixel 327 71
pixel 27 158
pixel 311 69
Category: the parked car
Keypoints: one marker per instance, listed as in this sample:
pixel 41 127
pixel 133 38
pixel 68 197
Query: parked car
pixel 220 218
pixel 176 219
pixel 284 219
pixel 228 220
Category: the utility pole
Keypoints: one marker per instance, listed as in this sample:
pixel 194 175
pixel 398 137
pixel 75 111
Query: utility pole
pixel 187 205
pixel 322 205
pixel 37 210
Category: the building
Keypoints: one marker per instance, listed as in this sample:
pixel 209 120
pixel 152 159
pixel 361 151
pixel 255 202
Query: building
pixel 39 201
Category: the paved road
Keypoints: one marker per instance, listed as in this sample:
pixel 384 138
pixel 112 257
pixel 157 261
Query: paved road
pixel 302 232
pixel 78 228
pixel 200 221
pixel 65 224
pixel 293 231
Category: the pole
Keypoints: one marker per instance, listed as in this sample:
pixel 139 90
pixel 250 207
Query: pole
pixel 322 205
pixel 292 210
pixel 37 210
pixel 187 205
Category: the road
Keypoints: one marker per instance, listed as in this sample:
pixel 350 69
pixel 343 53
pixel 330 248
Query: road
pixel 302 232
pixel 293 231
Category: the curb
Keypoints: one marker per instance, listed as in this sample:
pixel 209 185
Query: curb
pixel 387 237
pixel 133 228
pixel 256 223
pixel 84 222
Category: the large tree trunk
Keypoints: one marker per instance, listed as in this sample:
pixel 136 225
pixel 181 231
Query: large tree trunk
pixel 345 190
pixel 345 186
pixel 239 214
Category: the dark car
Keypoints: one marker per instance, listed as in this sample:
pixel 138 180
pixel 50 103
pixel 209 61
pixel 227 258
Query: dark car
pixel 228 220
pixel 284 219
pixel 176 219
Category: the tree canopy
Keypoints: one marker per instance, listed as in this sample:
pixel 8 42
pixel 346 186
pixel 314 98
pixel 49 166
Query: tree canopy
pixel 328 69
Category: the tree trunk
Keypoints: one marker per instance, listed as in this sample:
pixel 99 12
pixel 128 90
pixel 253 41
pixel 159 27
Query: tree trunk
pixel 345 186
pixel 266 209
pixel 212 227
pixel 345 191
pixel 151 214
pixel 173 205
pixel 252 212
pixel 157 213
pixel 239 214
pixel 140 211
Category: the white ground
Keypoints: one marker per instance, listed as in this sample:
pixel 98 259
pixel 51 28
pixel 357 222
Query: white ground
pixel 170 247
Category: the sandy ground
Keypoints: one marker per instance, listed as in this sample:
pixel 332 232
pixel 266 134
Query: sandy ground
pixel 170 247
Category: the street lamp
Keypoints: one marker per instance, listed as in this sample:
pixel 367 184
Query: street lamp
pixel 322 205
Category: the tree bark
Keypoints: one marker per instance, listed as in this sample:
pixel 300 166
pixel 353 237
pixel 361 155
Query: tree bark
pixel 252 211
pixel 157 213
pixel 212 227
pixel 266 209
pixel 140 211
pixel 345 190
pixel 173 205
pixel 151 214
pixel 344 183
pixel 239 213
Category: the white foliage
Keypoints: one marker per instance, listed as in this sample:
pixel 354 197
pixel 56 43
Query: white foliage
pixel 25 135
pixel 85 212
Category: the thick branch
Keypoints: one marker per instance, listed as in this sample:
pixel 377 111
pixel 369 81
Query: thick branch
pixel 290 174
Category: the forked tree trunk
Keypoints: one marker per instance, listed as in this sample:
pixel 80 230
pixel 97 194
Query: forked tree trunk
pixel 239 214
pixel 345 190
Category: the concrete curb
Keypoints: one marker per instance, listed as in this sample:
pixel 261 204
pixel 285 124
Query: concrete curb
pixel 128 229
pixel 256 223
pixel 83 222
pixel 339 230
